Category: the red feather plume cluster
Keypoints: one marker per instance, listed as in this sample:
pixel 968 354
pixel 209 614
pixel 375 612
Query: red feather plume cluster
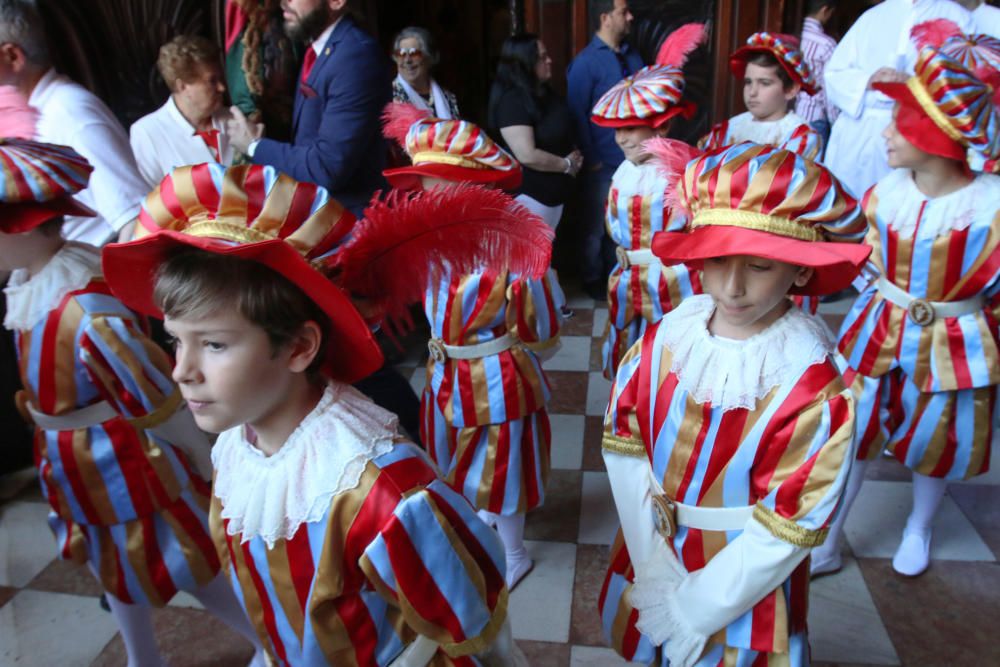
pixel 398 118
pixel 679 44
pixel 412 238
pixel 934 33
pixel 671 157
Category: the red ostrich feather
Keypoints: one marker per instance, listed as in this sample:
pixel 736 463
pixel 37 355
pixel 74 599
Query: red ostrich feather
pixel 398 118
pixel 19 119
pixel 934 33
pixel 410 239
pixel 679 44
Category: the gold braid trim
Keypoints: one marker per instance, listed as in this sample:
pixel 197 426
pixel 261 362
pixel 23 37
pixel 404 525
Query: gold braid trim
pixel 939 117
pixel 160 414
pixel 787 530
pixel 624 446
pixel 481 642
pixel 215 229
pixel 436 157
pixel 760 222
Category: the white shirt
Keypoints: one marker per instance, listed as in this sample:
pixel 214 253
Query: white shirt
pixel 879 38
pixel 987 19
pixel 71 115
pixel 165 139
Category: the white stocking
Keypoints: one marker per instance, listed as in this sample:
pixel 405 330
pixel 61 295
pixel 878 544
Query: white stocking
pixel 218 598
pixel 511 530
pixel 854 480
pixel 135 623
pixel 927 495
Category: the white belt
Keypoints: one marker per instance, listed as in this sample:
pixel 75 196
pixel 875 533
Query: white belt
pixel 922 311
pixel 627 258
pixel 668 514
pixel 440 351
pixel 92 415
pixel 418 654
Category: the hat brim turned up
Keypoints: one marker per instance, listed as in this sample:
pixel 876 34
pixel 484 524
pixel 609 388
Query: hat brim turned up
pixel 741 56
pixel 351 350
pixel 835 265
pixel 408 178
pixel 22 217
pixel 915 123
pixel 684 108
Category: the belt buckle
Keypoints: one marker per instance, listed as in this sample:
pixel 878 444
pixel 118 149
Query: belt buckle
pixel 435 346
pixel 664 516
pixel 622 256
pixel 921 312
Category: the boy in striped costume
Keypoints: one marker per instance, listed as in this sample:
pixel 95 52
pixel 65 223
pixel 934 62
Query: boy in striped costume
pixel 341 541
pixel 120 460
pixel 728 436
pixel 483 416
pixel 920 348
pixel 640 107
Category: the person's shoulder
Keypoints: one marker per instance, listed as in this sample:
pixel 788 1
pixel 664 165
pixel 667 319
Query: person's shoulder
pixel 146 123
pixel 356 37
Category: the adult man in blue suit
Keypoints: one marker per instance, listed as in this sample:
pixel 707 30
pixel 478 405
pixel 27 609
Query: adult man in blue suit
pixel 342 88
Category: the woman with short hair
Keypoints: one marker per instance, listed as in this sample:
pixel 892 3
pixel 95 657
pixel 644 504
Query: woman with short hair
pixel 415 53
pixel 190 127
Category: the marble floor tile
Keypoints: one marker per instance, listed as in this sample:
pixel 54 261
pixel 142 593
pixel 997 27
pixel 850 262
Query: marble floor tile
pixel 578 299
pixel 596 358
pixel 593 431
pixel 185 600
pixel 946 616
pixel 600 322
pixel 540 605
pixel 20 485
pixel 580 324
pixel 573 355
pixel 598 519
pixel 62 576
pixel 598 394
pixel 876 522
pixel 6 593
pixel 981 506
pixel 187 638
pixel 992 476
pixel 26 543
pixel 591 566
pixel 558 519
pixel 418 379
pixel 40 629
pixel 545 654
pixel 569 391
pixel 844 625
pixel 589 656
pixel 567 440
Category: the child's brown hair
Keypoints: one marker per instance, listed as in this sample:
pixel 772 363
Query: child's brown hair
pixel 195 283
pixel 768 60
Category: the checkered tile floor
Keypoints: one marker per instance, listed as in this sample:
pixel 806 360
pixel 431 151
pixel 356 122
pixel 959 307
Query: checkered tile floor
pixel 864 615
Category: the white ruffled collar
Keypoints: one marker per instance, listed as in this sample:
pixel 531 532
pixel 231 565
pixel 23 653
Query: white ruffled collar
pixel 900 201
pixel 30 298
pixel 635 179
pixel 745 127
pixel 271 496
pixel 732 374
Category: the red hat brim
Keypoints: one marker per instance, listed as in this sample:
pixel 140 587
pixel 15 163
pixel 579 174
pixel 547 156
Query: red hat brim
pixel 351 350
pixel 738 66
pixel 683 108
pixel 25 216
pixel 917 126
pixel 408 178
pixel 835 265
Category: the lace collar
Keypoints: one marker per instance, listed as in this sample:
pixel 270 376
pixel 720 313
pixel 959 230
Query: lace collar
pixel 271 496
pixel 900 201
pixel 639 179
pixel 30 298
pixel 732 374
pixel 745 127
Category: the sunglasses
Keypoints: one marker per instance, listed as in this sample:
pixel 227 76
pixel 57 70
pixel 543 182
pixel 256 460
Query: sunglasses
pixel 414 53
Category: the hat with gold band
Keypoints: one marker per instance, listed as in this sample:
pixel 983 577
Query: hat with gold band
pixel 756 200
pixel 255 213
pixel 785 50
pixel 945 108
pixel 37 183
pixel 455 150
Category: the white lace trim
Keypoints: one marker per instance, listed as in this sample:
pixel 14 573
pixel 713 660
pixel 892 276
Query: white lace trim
pixel 639 179
pixel 271 496
pixel 745 127
pixel 899 202
pixel 732 374
pixel 30 298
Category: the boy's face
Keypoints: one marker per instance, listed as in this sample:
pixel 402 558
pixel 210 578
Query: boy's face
pixel 630 140
pixel 764 93
pixel 899 152
pixel 228 372
pixel 749 292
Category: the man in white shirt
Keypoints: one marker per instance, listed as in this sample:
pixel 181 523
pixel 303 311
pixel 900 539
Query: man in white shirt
pixel 986 17
pixel 72 116
pixel 876 48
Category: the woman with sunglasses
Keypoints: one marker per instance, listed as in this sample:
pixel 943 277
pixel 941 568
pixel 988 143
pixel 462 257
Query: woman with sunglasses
pixel 414 53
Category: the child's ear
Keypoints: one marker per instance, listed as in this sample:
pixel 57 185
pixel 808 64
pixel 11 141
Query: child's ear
pixel 663 130
pixel 803 276
pixel 304 348
pixel 792 92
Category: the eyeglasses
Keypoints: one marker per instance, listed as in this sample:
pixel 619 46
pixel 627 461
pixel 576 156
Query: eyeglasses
pixel 412 52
